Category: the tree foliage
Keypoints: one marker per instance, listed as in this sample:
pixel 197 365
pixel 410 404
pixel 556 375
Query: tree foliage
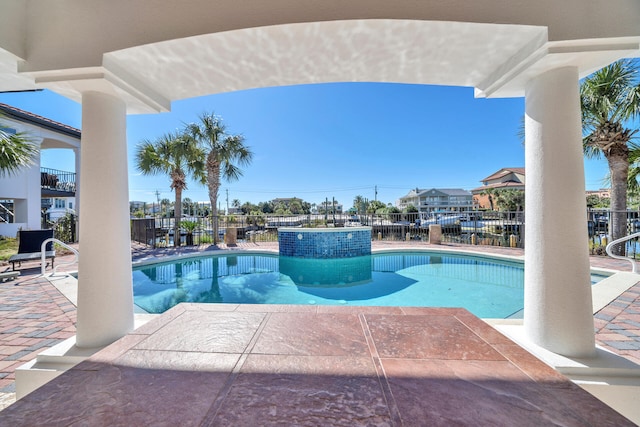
pixel 224 154
pixel 16 151
pixel 610 101
pixel 178 157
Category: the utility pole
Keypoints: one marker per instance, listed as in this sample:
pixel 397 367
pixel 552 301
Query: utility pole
pixel 326 209
pixel 227 190
pixel 158 197
pixel 333 207
pixel 375 196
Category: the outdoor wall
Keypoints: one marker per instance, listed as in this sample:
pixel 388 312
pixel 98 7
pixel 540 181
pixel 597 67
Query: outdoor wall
pixel 327 273
pixel 325 242
pixel 24 189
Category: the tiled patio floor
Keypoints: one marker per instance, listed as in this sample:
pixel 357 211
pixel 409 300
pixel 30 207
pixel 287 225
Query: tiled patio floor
pixel 35 316
pixel 247 365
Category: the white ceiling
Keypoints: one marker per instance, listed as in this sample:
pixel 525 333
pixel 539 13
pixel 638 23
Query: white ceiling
pixel 400 51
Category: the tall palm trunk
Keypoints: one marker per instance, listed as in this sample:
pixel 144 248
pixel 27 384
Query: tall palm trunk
pixel 618 160
pixel 178 183
pixel 213 184
pixel 177 216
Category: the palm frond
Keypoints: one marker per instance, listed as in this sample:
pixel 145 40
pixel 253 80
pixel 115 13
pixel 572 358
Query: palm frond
pixel 17 151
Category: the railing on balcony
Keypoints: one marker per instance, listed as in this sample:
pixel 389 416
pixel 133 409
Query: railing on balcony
pixel 58 181
pixel 6 214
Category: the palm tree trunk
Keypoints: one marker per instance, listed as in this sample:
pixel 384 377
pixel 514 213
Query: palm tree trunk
pixel 177 215
pixel 619 171
pixel 213 184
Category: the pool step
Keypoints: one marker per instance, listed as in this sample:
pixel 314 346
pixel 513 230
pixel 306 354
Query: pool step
pixel 58 359
pixel 49 364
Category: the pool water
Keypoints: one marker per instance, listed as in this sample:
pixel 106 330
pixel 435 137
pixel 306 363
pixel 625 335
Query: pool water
pixel 489 288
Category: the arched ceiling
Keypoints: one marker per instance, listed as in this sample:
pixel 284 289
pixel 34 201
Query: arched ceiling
pixel 152 53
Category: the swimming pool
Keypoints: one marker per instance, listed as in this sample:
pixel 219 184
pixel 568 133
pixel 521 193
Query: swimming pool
pixel 488 287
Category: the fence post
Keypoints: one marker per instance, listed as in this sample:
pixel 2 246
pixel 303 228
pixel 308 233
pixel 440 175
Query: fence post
pixel 435 234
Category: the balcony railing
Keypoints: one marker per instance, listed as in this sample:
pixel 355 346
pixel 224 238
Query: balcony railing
pixel 58 181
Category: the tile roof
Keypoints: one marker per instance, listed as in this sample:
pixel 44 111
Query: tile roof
pixel 27 117
pixel 502 172
pixel 448 191
pixel 499 185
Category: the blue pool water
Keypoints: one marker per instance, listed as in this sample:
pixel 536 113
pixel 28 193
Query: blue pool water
pixel 489 288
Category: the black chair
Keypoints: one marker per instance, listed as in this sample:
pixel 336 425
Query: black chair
pixel 30 245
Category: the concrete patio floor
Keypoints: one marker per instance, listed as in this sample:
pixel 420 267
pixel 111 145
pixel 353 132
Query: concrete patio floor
pixel 36 316
pixel 250 365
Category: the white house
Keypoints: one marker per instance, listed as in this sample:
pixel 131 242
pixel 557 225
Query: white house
pixel 24 196
pixel 437 200
pixel 57 207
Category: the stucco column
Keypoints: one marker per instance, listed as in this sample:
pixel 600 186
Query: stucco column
pixel 557 308
pixel 105 296
pixel 34 192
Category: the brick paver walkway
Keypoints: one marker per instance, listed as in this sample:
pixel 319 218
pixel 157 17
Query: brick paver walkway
pixel 35 316
pixel 618 325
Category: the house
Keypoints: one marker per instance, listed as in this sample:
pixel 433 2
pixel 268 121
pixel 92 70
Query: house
pixel 504 179
pixel 603 193
pixel 25 195
pixel 55 208
pixel 437 200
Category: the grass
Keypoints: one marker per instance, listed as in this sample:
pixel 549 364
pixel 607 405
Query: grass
pixel 8 247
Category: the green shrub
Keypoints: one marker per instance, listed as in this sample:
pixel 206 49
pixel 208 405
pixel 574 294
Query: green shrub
pixel 205 238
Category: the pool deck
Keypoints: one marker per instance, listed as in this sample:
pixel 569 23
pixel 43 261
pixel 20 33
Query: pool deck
pixel 362 351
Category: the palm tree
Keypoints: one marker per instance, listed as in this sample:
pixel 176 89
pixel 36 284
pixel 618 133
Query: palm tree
pixel 490 193
pixel 188 204
pixel 166 204
pixel 224 153
pixel 610 98
pixel 177 156
pixel 16 151
pixel 510 200
pixel 360 204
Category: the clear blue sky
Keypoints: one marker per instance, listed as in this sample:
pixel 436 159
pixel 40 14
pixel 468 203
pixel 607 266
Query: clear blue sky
pixel 332 140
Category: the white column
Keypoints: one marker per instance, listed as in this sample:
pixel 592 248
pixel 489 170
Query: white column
pixel 558 309
pixel 34 190
pixel 105 295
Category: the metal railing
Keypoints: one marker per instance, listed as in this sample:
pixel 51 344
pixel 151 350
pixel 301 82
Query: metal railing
pixel 58 180
pixel 4 211
pixel 493 228
pixel 600 227
pixel 43 260
pixel 609 249
pixel 472 227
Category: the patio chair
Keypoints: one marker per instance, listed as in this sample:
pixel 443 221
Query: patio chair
pixel 29 247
